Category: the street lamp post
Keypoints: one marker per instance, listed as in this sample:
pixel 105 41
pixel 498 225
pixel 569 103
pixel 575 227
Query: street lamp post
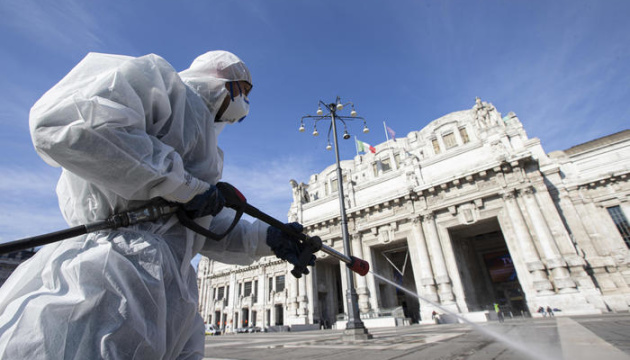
pixel 355 329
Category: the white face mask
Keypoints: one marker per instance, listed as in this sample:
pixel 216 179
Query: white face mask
pixel 236 110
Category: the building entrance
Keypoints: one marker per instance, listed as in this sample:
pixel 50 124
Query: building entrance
pixel 245 317
pixel 279 310
pixel 393 261
pixel 486 269
pixel 330 297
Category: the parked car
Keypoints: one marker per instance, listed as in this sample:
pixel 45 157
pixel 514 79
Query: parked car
pixel 212 329
pixel 253 329
pixel 248 329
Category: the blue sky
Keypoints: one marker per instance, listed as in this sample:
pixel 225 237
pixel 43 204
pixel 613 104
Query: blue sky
pixel 563 67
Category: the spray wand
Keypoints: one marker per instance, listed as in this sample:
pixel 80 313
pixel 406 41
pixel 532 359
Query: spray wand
pixel 234 199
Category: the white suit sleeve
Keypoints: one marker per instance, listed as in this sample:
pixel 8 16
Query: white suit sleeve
pixel 246 243
pixel 104 125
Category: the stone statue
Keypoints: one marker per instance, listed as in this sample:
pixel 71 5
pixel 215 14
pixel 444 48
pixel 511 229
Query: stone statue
pixel 296 191
pixel 493 115
pixel 292 217
pixel 485 114
pixel 300 194
pixel 479 113
pixel 304 197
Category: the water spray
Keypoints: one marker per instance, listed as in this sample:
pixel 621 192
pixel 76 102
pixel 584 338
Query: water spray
pixel 530 352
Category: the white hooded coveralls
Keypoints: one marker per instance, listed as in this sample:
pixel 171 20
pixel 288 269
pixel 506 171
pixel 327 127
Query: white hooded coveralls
pixel 125 130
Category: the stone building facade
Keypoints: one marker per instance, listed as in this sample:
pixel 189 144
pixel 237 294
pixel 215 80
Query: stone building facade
pixel 9 262
pixel 467 212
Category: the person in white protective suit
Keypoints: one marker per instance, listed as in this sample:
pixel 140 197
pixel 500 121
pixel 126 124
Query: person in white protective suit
pixel 127 131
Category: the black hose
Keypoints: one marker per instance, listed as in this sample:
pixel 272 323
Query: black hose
pixel 40 240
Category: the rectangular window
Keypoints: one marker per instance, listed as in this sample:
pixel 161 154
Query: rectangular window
pixel 621 222
pixel 464 135
pixel 386 165
pixel 247 288
pixel 381 166
pixel 333 186
pixel 449 140
pixel 240 289
pixel 279 283
pixel 214 293
pixel 436 146
pixel 256 291
pixel 221 293
pixel 270 285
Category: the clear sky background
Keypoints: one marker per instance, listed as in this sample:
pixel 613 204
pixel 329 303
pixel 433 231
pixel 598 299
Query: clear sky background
pixel 562 66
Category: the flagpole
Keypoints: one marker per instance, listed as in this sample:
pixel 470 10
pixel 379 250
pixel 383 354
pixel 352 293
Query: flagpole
pixel 387 136
pixel 355 145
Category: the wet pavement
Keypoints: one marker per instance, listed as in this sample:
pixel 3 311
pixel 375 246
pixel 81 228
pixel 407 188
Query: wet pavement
pixel 605 337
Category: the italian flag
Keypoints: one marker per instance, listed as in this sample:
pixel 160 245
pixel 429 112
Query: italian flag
pixel 365 147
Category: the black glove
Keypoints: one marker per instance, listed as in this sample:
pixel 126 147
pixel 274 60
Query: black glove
pixel 209 203
pixel 286 248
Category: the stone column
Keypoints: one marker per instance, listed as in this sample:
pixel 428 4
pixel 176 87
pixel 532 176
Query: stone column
pixel 577 225
pixel 206 298
pixel 551 214
pixel 445 289
pixel 583 248
pixel 421 262
pixel 272 315
pixel 587 212
pixel 311 293
pixel 344 286
pixel 232 300
pixel 361 281
pixel 602 235
pixel 292 301
pixel 302 297
pixel 232 291
pixel 555 262
pixel 201 292
pixel 223 305
pixel 203 283
pixel 422 272
pixel 534 265
pixel 371 283
pixel 263 294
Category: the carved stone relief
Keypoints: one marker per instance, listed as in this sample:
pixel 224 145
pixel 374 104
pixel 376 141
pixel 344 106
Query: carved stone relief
pixel 467 213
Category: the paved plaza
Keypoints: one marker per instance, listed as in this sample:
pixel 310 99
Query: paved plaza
pixel 605 337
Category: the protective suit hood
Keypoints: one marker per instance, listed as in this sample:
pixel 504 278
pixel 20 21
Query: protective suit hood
pixel 209 73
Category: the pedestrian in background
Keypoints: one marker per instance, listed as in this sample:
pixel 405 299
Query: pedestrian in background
pixel 497 309
pixel 550 311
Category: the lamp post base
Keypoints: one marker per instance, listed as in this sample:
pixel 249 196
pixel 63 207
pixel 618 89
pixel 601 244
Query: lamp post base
pixel 356 335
